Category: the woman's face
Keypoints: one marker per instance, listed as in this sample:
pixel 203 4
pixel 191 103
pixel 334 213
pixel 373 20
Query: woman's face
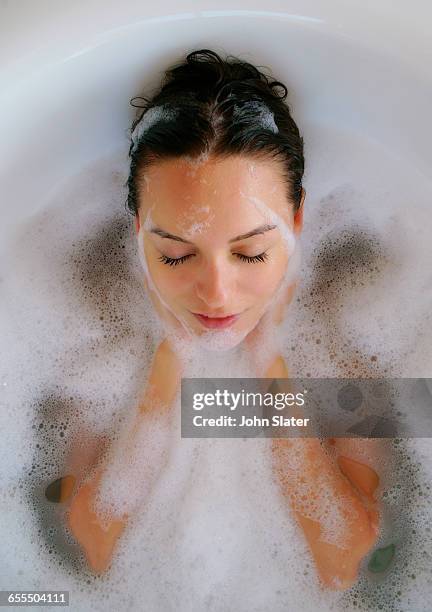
pixel 218 237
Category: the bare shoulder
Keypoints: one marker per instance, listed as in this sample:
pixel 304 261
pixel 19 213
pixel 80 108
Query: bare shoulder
pixel 277 368
pixel 164 378
pixel 165 353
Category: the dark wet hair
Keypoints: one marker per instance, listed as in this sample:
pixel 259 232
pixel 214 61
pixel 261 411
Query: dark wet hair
pixel 220 107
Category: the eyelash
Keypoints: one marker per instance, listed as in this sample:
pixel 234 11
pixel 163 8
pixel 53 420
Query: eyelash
pixel 169 261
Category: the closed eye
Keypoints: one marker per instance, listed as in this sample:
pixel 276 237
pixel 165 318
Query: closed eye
pixel 170 261
pixel 261 257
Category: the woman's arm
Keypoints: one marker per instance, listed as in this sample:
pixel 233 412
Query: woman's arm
pixel 339 523
pixel 339 527
pixel 145 439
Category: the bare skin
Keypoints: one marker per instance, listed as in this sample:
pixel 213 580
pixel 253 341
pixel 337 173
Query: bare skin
pixel 337 567
pixel 227 197
pixel 98 543
pixel 352 485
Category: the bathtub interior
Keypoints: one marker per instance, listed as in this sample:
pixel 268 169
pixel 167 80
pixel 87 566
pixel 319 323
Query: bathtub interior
pixel 214 533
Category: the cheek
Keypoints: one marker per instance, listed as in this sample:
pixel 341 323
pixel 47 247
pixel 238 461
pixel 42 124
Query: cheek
pixel 171 282
pixel 265 278
pixel 259 285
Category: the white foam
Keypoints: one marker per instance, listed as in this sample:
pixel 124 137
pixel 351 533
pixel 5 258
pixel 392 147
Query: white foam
pixel 196 220
pixel 151 117
pixel 256 112
pixel 135 462
pixel 213 517
pixel 271 216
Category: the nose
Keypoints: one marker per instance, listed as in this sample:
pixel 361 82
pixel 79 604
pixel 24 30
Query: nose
pixel 212 287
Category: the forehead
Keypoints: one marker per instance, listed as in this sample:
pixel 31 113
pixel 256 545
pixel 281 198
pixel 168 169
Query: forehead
pixel 234 190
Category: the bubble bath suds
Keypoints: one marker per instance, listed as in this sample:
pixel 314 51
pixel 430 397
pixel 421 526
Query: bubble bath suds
pixel 211 531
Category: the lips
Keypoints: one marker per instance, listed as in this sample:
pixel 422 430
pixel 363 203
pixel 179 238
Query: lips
pixel 216 322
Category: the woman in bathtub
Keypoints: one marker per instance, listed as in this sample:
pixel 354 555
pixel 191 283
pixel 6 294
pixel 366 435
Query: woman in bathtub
pixel 215 187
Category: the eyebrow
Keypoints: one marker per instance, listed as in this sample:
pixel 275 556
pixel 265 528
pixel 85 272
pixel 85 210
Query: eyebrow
pixel 258 230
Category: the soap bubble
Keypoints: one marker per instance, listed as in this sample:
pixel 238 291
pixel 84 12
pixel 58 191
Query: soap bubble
pixel 81 333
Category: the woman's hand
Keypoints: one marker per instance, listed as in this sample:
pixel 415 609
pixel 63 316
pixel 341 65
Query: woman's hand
pixel 97 540
pixel 356 458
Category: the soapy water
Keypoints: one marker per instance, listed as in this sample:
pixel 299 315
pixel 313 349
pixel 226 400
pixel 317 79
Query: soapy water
pixel 211 530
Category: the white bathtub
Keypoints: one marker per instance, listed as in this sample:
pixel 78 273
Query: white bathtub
pixel 360 87
pixel 363 66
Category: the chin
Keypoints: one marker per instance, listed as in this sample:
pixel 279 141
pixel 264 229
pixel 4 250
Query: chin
pixel 220 340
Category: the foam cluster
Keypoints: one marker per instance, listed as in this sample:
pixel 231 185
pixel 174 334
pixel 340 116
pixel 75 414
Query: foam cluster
pixel 206 516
